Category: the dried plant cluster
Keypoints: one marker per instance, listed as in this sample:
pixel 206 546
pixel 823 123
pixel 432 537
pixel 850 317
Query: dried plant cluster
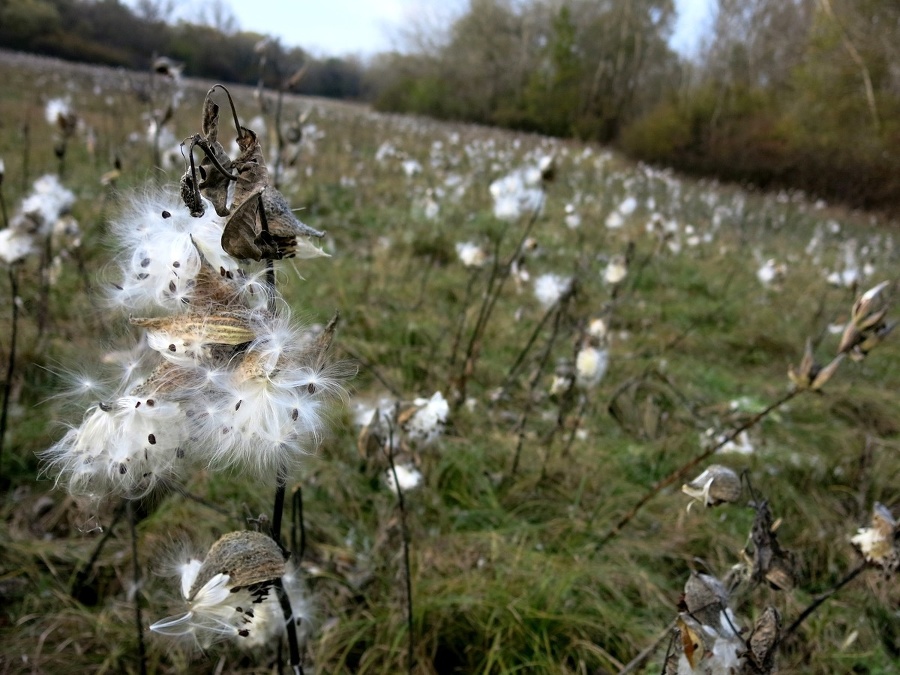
pixel 549 342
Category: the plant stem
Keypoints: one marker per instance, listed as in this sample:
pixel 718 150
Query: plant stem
pixel 11 363
pixel 290 625
pixel 495 286
pixel 855 572
pixel 138 621
pixel 684 468
pixel 278 508
pixel 84 573
pixel 404 531
pixel 297 525
pixel 3 208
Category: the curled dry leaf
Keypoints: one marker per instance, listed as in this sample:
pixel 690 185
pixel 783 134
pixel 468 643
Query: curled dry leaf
pixel 213 182
pixel 243 236
pixel 769 562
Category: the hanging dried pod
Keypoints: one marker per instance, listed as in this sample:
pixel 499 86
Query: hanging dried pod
pixel 769 562
pixel 716 485
pixel 705 598
pixel 763 642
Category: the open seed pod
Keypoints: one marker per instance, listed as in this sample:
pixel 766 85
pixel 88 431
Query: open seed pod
pixel 716 485
pixel 705 598
pixel 247 557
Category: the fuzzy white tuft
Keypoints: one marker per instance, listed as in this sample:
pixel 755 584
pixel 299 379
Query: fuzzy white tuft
pixel 123 448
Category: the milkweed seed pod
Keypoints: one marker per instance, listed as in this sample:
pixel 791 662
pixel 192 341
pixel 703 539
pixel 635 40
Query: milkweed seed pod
pixel 248 558
pixel 867 326
pixel 880 544
pixel 230 594
pixel 716 485
pixel 705 598
pixel 764 639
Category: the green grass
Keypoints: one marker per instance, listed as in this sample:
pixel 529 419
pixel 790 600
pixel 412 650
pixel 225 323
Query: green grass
pixel 506 573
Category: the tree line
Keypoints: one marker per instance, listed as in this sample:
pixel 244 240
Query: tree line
pixel 783 93
pixel 111 33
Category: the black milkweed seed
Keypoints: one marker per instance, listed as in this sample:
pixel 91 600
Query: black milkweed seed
pixel 122 469
pixel 222 271
pixel 179 453
pixel 145 262
pixel 244 632
pixel 172 286
pixel 173 348
pixel 105 407
pixel 142 276
pixel 250 612
pixel 119 287
pixel 238 609
pixel 295 414
pixel 151 439
pixel 137 405
pixel 151 402
pixel 237 406
pixel 229 274
pixel 176 264
pixel 166 214
pixel 311 388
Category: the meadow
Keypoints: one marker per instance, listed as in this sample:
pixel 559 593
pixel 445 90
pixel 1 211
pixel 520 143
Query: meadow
pixel 599 332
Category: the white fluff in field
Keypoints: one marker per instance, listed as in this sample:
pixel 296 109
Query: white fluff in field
pixel 549 288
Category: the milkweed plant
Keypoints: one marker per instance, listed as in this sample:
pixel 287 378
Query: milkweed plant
pixel 222 377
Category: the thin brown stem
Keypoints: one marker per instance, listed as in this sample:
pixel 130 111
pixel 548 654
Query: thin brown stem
pixel 234 115
pixel 663 483
pixel 495 287
pixel 138 620
pixel 404 531
pixel 11 361
pixel 855 572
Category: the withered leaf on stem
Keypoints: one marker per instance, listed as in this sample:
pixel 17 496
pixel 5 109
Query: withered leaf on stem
pixel 770 562
pixel 213 183
pixel 241 237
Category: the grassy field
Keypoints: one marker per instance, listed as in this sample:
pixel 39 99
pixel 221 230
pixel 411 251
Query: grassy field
pixel 516 564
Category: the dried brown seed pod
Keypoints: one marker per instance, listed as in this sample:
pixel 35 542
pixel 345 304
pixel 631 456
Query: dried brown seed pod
pixel 716 485
pixel 223 328
pixel 246 557
pixel 705 598
pixel 880 544
pixel 763 640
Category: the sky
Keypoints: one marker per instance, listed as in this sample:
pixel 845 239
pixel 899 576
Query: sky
pixel 365 27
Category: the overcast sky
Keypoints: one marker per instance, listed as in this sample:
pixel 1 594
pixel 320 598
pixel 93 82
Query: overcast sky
pixel 364 27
